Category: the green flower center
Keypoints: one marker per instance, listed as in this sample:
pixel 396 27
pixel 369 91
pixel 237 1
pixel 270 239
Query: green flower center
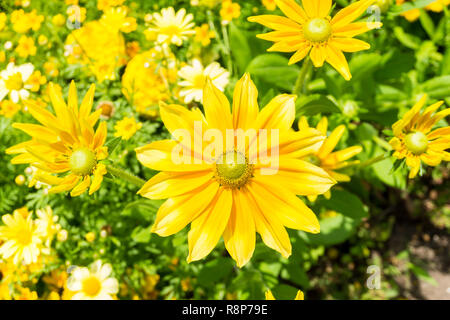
pixel 416 142
pixel 317 30
pixel 233 169
pixel 82 161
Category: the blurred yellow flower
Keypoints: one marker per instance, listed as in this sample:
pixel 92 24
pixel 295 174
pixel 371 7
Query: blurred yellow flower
pixel 416 141
pixel 106 4
pixel 228 194
pixel 13 81
pixel 172 27
pixel 47 223
pixel 203 35
pixel 93 283
pixel 229 11
pixel 145 84
pixel 126 128
pixel 8 108
pixel 51 67
pixel 26 47
pixel 58 20
pixel 3 19
pixel 65 144
pixel 23 242
pixel 90 237
pixel 36 80
pixel 414 14
pixel 26 294
pixel 22 21
pixel 116 18
pixel 311 30
pixel 299 296
pixel 193 79
pixel 269 4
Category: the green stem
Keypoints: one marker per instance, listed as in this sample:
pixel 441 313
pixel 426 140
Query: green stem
pixel 301 83
pixel 120 173
pixel 374 160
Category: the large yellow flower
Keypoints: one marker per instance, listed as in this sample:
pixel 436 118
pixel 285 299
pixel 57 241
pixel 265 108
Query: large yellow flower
pixel 65 144
pixel 311 30
pixel 415 141
pixel 22 238
pixel 236 190
pixel 324 156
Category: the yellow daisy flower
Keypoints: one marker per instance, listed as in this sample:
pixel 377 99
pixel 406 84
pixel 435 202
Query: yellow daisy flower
pixel 203 35
pixel 324 157
pixel 116 18
pixel 65 144
pixel 299 296
pixel 126 128
pixel 47 223
pixel 22 239
pixel 229 11
pixel 311 30
pixel 93 283
pixel 415 141
pixel 171 27
pixel 236 192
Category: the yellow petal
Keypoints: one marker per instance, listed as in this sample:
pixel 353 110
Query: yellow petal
pixel 331 142
pixel 350 45
pixel 82 187
pixel 300 54
pixel 208 228
pixel 337 60
pixel 322 126
pixel 86 104
pixel 288 208
pixel 317 8
pixel 37 131
pixel 269 295
pixel 240 234
pixel 99 172
pixel 66 185
pixel 354 29
pixel 100 136
pixel 177 212
pixel 217 108
pixel 278 114
pixel 350 13
pixel 171 184
pixel 318 55
pixel 73 98
pixel 300 295
pixel 276 22
pixel 245 103
pixel 292 10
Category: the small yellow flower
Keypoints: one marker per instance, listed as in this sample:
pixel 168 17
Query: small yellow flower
pixel 67 144
pixel 299 296
pixel 26 47
pixel 59 20
pixel 172 27
pixel 51 67
pixel 416 141
pixel 229 11
pixel 36 80
pixel 106 4
pixel 2 56
pixel 62 235
pixel 3 19
pixel 310 29
pixel 414 14
pixel 126 128
pixel 116 18
pixel 26 294
pixel 20 180
pixel 269 4
pixel 90 237
pixel 8 108
pixel 22 239
pixel 42 40
pixel 94 283
pixel 203 35
pixel 186 284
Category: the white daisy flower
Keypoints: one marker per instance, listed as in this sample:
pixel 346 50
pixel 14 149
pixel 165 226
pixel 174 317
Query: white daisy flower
pixel 13 82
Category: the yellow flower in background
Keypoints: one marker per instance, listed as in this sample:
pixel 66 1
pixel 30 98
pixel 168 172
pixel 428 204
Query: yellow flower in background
pixel 270 5
pixel 22 239
pixel 26 294
pixel 126 128
pixel 324 156
pixel 59 20
pixel 47 223
pixel 75 13
pixel 145 84
pixel 65 144
pixel 3 19
pixel 228 194
pixel 23 22
pixel 414 14
pixel 8 108
pixel 299 296
pixel 87 47
pixel 42 40
pixel 26 47
pixel 417 142
pixel 171 27
pixel 310 30
pixel 51 67
pixel 36 80
pixel 229 11
pixel 194 79
pixel 116 18
pixel 2 56
pixel 106 4
pixel 93 283
pixel 13 81
pixel 203 35
pixel 205 3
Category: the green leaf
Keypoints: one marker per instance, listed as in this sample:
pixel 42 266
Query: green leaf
pixel 274 69
pixel 427 23
pixel 141 235
pixel 345 203
pixel 438 88
pixel 240 49
pixel 215 271
pixel 112 144
pixel 364 64
pixel 383 171
pixel 422 274
pixel 407 39
pixel 284 292
pixel 314 104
